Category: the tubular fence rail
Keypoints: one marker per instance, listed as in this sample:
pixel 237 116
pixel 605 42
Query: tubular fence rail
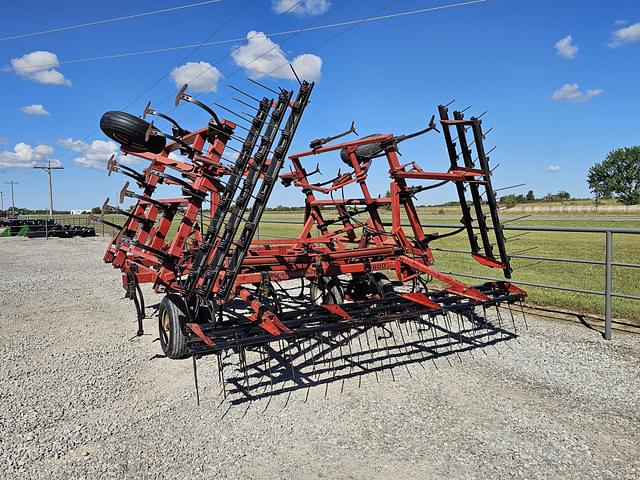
pixel 607 262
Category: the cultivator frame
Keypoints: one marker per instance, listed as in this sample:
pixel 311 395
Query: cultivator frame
pixel 222 286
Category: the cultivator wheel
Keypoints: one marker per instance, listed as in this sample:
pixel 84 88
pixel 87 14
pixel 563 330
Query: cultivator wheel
pixel 326 291
pixel 226 291
pixel 172 320
pixel 369 286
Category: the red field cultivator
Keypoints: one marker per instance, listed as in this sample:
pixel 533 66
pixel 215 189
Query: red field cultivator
pixel 347 271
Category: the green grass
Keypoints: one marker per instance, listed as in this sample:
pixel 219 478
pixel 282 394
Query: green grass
pixel 587 246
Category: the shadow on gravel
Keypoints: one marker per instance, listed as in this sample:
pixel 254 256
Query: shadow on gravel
pixel 314 363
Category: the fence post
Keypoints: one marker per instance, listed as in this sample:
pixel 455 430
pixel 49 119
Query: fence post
pixel 608 281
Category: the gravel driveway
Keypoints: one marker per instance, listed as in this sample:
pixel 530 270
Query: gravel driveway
pixel 81 398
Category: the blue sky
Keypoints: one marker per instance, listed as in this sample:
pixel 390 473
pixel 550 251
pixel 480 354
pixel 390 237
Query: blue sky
pixel 388 76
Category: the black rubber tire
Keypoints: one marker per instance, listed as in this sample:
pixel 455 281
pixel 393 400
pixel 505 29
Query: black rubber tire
pixel 326 291
pixel 171 320
pixel 384 285
pixel 370 286
pixel 130 131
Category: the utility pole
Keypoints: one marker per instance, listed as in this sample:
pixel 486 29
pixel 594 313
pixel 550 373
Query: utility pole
pixel 48 168
pixel 13 200
pixel 1 202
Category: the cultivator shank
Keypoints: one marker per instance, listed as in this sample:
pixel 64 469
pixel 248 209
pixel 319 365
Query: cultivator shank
pixel 352 268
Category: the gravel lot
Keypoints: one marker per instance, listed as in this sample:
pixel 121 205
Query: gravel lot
pixel 82 399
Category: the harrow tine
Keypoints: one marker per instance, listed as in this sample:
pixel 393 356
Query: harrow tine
pixel 513 320
pixel 264 86
pixel 243 364
pixel 195 380
pixel 523 251
pixel 239 115
pixel 404 347
pixel 293 371
pixel 516 219
pixel 319 344
pixel 244 93
pixel 224 383
pixel 524 317
pixel 386 343
pixel 331 352
pixel 499 319
pixel 245 104
pixel 375 337
pixel 515 237
pixel 270 374
pixel 460 332
pixel 528 265
pixel 350 356
pixel 450 328
pixel 433 338
pixel 509 187
pixel 464 329
pixel 366 332
pixel 484 313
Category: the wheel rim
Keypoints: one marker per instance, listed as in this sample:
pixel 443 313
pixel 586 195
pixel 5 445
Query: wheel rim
pixel 165 325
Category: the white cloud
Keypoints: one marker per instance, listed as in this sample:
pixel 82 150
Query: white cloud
pixel 94 154
pixel 261 57
pixel 35 109
pixel 301 7
pixel 624 35
pixel 39 66
pixel 570 92
pixel 201 76
pixel 25 155
pixel 564 47
pixel 553 168
pixel 4 141
pixel 620 22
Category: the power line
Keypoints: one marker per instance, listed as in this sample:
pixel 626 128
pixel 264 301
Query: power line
pixel 276 46
pixel 274 34
pixel 110 20
pixel 350 25
pixel 162 77
pixel 189 55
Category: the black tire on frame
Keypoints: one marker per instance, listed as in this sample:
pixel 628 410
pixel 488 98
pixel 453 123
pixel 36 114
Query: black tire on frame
pixel 326 290
pixel 172 316
pixel 130 131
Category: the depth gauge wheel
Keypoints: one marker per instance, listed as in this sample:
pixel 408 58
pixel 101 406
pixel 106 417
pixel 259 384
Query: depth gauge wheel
pixel 326 290
pixel 171 319
pixel 130 132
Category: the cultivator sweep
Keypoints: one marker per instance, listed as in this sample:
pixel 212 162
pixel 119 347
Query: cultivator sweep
pixel 349 269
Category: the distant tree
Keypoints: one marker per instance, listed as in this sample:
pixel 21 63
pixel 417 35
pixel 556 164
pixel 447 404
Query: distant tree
pixel 562 195
pixel 96 210
pixel 510 200
pixel 618 176
pixel 530 196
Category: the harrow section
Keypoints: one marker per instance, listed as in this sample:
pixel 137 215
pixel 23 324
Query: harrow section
pixel 227 291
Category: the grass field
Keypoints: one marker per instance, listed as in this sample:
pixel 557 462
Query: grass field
pixel 584 246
